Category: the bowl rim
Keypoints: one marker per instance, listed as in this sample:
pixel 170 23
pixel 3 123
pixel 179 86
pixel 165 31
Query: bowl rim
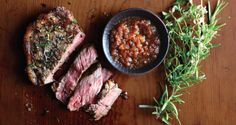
pixel 109 23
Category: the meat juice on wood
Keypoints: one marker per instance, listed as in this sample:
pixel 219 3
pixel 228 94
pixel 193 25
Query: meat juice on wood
pixel 134 42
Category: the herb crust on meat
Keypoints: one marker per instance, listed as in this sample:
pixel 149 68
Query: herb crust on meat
pixel 48 42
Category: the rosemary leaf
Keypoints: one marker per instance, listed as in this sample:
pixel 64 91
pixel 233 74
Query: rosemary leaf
pixel 190 34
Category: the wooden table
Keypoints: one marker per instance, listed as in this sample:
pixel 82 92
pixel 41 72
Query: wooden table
pixel 212 102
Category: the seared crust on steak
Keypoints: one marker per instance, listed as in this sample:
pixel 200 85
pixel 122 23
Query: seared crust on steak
pixel 48 42
pixel 31 75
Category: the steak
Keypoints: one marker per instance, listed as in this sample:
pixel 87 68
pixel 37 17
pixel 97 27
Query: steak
pixel 106 74
pixel 106 98
pixel 86 90
pixel 48 42
pixel 66 86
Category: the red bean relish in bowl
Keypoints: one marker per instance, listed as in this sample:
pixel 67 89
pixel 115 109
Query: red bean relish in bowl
pixel 134 42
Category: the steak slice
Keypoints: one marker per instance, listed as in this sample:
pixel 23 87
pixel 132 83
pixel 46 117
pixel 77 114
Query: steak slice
pixel 106 98
pixel 86 90
pixel 106 74
pixel 66 86
pixel 48 42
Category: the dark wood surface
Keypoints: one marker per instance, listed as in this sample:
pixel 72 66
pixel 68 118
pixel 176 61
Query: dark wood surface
pixel 212 102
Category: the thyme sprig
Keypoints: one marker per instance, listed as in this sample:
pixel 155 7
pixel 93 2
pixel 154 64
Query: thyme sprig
pixel 191 29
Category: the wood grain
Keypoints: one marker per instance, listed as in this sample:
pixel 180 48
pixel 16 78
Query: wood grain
pixel 212 102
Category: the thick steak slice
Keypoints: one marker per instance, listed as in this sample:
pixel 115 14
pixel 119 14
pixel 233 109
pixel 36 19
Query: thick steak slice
pixel 106 98
pixel 86 90
pixel 66 86
pixel 106 74
pixel 48 42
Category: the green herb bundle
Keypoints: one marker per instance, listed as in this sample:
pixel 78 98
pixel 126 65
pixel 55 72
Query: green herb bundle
pixel 191 30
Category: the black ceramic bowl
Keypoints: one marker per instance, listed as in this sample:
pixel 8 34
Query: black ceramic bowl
pixel 145 14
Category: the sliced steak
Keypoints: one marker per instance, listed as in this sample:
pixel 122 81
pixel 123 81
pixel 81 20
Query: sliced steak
pixel 66 86
pixel 106 74
pixel 106 98
pixel 86 90
pixel 48 42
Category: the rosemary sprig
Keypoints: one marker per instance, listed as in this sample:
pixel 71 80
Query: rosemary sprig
pixel 190 34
